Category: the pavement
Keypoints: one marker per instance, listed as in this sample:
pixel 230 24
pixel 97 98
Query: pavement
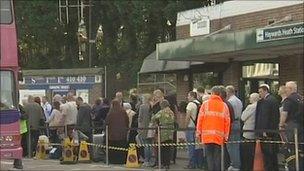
pixel 49 164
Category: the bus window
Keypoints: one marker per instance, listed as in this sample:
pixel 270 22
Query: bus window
pixel 6 12
pixel 7 90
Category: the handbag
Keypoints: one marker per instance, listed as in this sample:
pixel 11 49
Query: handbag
pixel 151 132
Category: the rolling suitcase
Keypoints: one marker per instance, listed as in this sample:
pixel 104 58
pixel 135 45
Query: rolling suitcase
pixel 97 152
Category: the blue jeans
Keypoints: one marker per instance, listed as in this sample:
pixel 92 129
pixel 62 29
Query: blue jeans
pixel 148 150
pixel 234 148
pixel 199 159
pixel 191 148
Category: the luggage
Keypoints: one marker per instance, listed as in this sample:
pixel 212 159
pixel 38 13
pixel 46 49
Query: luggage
pixel 97 152
pixel 55 153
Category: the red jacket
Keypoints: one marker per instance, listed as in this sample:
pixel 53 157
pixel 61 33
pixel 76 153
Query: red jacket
pixel 213 124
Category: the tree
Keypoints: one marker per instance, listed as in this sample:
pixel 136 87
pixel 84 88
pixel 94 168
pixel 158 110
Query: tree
pixel 130 31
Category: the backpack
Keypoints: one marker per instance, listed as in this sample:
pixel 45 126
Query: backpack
pixel 198 105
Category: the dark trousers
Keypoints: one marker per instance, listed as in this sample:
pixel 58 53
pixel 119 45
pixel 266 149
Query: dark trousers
pixel 174 149
pixel 227 160
pixel 291 125
pixel 247 156
pixel 53 136
pixel 213 153
pixel 199 158
pixel 165 154
pixel 115 156
pixel 34 140
pixel 24 144
pixel 270 156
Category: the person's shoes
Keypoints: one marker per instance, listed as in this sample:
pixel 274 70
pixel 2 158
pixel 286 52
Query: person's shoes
pixel 200 167
pixel 166 167
pixel 147 164
pixel 141 159
pixel 189 167
pixel 18 164
pixel 231 168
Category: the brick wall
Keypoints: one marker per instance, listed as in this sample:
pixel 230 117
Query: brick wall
pixel 95 92
pixel 183 86
pixel 250 20
pixel 291 69
pixel 232 74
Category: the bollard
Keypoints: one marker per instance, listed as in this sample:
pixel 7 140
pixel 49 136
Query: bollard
pixel 107 145
pixel 159 145
pixel 296 148
pixel 222 158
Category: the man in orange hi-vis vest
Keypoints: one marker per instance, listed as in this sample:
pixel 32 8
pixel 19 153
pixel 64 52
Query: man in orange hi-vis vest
pixel 213 127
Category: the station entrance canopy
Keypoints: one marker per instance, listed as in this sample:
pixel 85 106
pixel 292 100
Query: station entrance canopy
pixel 244 45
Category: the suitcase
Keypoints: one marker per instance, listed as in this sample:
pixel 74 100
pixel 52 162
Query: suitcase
pixel 55 153
pixel 98 154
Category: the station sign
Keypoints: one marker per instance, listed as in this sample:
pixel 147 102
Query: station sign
pixel 39 80
pixel 280 32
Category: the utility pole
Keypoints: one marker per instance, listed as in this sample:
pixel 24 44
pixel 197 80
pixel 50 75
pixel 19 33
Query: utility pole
pixel 90 36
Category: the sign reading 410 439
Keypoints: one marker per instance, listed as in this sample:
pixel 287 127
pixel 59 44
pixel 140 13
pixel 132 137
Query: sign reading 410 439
pixel 280 32
pixel 78 79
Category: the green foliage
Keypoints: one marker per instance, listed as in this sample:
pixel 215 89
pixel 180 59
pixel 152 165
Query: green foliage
pixel 130 31
pixel 39 33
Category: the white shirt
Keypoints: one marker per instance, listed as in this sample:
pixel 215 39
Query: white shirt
pixel 237 106
pixel 55 119
pixel 47 109
pixel 248 116
pixel 192 109
pixel 69 110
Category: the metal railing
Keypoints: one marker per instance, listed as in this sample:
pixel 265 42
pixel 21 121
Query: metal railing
pixel 107 147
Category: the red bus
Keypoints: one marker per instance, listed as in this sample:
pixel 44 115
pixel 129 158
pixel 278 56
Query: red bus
pixel 10 139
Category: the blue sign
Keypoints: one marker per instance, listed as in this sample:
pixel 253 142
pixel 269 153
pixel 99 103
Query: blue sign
pixel 280 32
pixel 38 80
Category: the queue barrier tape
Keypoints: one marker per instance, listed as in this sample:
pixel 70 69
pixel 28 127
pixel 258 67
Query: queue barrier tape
pixel 181 144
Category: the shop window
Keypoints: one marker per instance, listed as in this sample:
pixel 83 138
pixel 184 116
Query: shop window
pixel 147 83
pixel 261 70
pixel 205 80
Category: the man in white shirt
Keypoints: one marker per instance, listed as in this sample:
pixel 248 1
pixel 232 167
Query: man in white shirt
pixel 47 107
pixel 69 110
pixel 234 149
pixel 191 114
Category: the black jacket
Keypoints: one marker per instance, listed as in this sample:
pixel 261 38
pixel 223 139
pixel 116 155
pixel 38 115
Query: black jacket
pixel 267 115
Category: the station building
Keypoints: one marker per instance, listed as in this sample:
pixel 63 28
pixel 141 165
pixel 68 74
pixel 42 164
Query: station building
pixel 240 43
pixel 87 83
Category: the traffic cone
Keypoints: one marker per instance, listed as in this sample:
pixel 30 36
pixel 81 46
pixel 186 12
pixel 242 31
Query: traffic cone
pixel 84 155
pixel 132 160
pixel 40 150
pixel 258 164
pixel 68 156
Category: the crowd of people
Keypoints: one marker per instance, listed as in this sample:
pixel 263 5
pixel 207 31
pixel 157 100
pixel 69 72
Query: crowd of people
pixel 211 117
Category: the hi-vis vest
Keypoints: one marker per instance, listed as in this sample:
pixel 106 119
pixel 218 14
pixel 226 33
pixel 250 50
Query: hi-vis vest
pixel 214 121
pixel 23 126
